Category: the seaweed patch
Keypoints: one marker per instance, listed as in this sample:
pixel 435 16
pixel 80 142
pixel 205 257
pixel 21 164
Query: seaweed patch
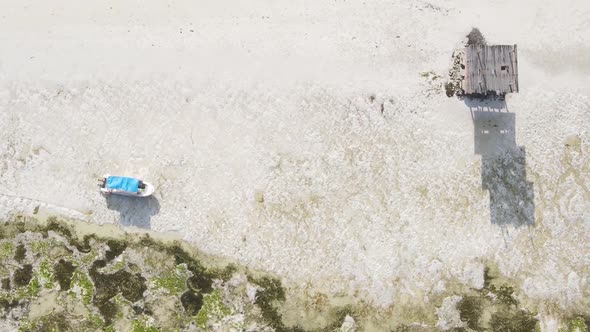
pixel 140 283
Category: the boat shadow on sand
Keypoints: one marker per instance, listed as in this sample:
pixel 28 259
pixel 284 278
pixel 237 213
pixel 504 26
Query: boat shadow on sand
pixel 503 163
pixel 134 211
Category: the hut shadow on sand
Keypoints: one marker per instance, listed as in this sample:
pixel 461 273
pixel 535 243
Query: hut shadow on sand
pixel 134 211
pixel 503 163
pixel 481 76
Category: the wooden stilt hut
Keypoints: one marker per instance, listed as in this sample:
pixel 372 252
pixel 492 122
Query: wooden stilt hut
pixel 489 70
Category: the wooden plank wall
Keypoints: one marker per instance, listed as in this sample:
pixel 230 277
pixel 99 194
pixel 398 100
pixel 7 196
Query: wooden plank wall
pixel 484 71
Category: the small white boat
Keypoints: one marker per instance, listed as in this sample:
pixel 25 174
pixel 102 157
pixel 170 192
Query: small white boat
pixel 126 186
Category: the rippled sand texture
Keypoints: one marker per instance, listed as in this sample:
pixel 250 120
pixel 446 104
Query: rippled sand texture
pixel 300 137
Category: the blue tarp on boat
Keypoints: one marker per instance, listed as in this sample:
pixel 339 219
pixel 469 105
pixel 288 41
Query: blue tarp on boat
pixel 123 183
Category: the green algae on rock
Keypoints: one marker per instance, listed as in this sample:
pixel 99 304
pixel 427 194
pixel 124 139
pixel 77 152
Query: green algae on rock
pixel 578 324
pixel 174 281
pixel 82 286
pixel 495 307
pixel 6 250
pixel 139 282
pixel 115 295
pixel 213 307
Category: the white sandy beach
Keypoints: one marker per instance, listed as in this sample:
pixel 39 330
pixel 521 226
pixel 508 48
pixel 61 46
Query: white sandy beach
pixel 298 137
